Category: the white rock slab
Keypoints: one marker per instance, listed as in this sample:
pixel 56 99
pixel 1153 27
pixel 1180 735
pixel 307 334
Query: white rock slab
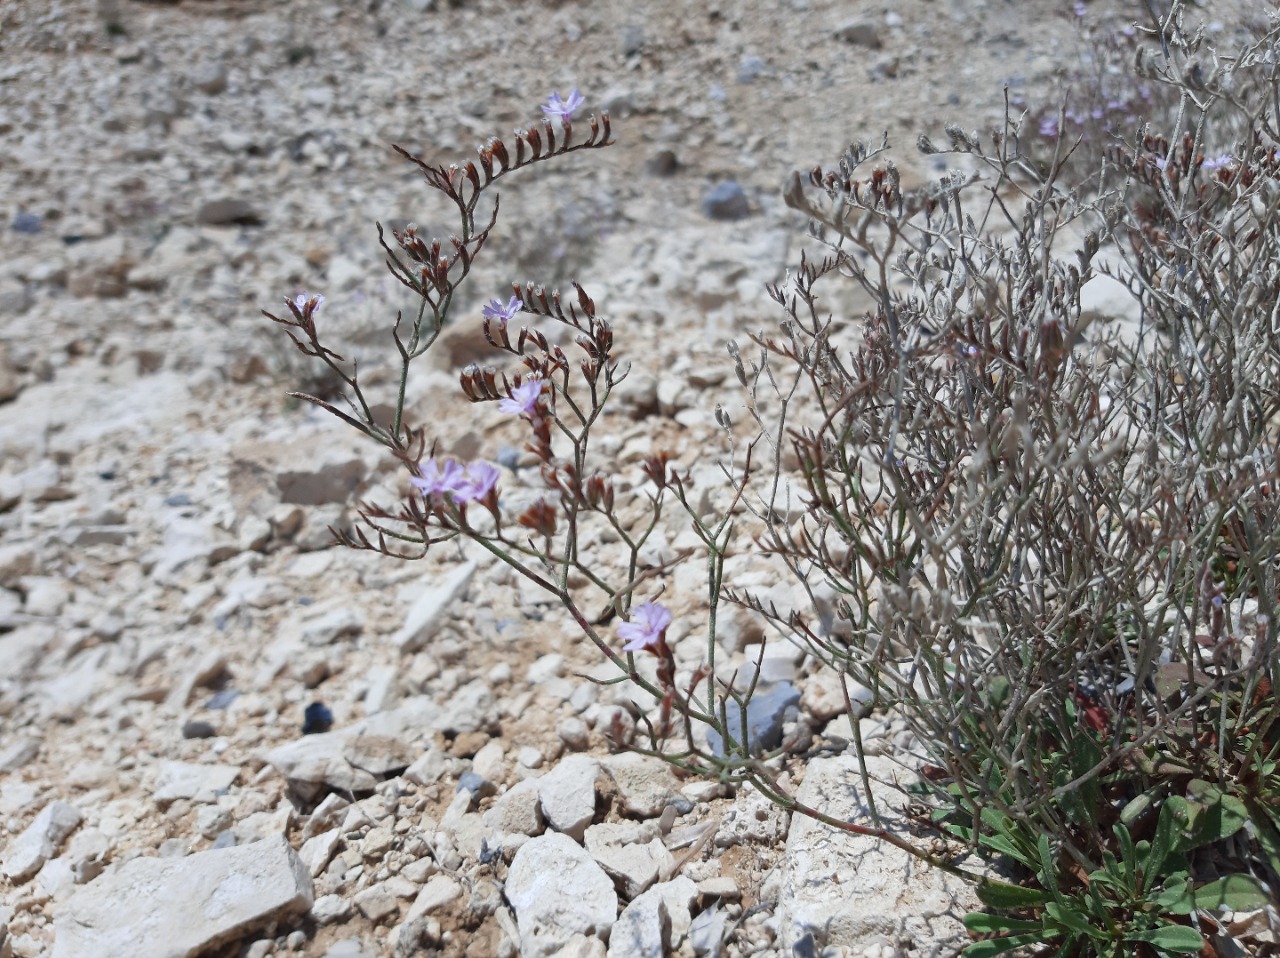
pixel 314 762
pixel 568 795
pixel 557 891
pixel 631 852
pixel 430 608
pixel 39 841
pixel 192 780
pixel 178 908
pixel 317 851
pixel 656 922
pixel 854 891
pixel 645 784
pixel 439 891
pixel 517 811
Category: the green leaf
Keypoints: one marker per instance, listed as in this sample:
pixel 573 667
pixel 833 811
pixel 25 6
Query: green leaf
pixel 999 894
pixel 1073 920
pixel 1178 939
pixel 1173 815
pixel 1176 898
pixel 985 924
pixel 1215 815
pixel 998 946
pixel 1266 835
pixel 1237 892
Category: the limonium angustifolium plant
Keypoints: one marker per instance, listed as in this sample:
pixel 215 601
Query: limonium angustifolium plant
pixel 1048 542
pixel 553 540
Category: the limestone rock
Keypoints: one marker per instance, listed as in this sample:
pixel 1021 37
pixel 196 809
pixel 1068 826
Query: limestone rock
pixel 517 811
pixel 376 903
pixel 568 794
pixel 179 908
pixel 767 711
pixel 228 212
pixel 317 850
pixel 439 891
pixel 557 891
pixel 645 784
pixel 353 759
pixel 329 909
pixel 630 852
pixel 39 841
pixel 316 761
pixel 192 780
pixel 896 897
pixel 643 930
pixel 726 201
pixel 429 610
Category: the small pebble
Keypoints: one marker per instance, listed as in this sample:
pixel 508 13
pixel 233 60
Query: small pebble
pixel 726 201
pixel 316 719
pixel 574 733
pixel 198 728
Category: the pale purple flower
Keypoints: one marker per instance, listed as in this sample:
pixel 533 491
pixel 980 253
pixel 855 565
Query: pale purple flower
pixel 302 300
pixel 1049 126
pixel 523 398
pixel 649 622
pixel 1160 162
pixel 479 482
pixel 438 478
pixel 500 314
pixel 562 108
pixel 1218 162
pixel 1078 8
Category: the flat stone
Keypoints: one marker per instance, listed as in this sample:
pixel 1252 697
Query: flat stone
pixel 517 811
pixel 557 891
pixel 655 923
pixel 228 212
pixel 726 201
pixel 317 851
pixel 379 754
pixel 430 608
pixel 709 931
pixel 631 852
pixel 39 841
pixel 333 625
pixel 377 904
pixel 315 761
pixel 428 768
pixel 568 794
pixel 469 709
pixel 16 562
pixel 192 780
pixel 18 753
pixel 722 886
pixel 179 908
pixel 382 742
pixel 328 814
pixel 767 712
pixel 645 784
pixel 329 909
pixel 896 899
pixel 643 930
pixel 439 891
